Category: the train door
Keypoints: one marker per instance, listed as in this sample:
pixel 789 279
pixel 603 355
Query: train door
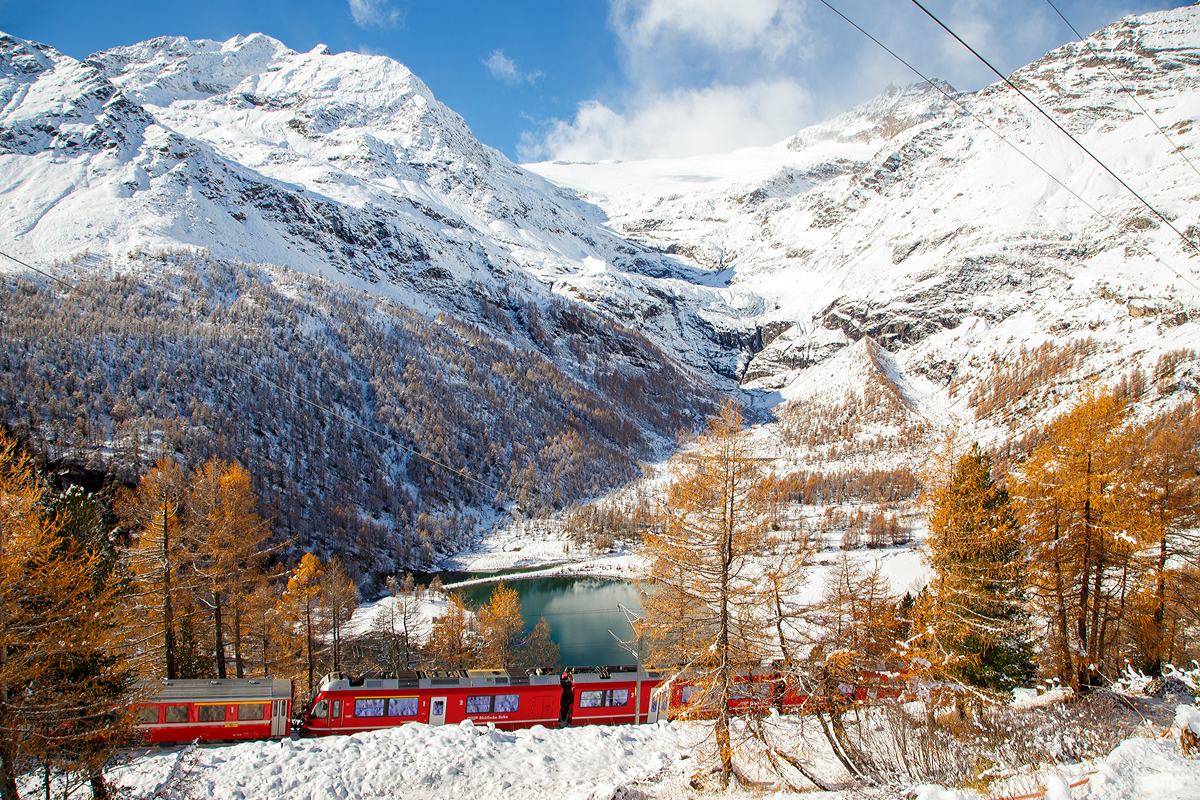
pixel 437 711
pixel 279 719
pixel 658 705
pixel 335 715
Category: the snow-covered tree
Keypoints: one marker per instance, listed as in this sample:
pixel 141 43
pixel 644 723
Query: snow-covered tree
pixel 977 626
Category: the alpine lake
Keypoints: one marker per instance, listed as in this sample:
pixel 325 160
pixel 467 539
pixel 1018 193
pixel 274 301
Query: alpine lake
pixel 581 611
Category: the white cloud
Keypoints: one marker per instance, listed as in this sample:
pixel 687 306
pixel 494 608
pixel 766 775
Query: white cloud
pixel 703 76
pixel 773 27
pixel 380 13
pixel 505 69
pixel 683 122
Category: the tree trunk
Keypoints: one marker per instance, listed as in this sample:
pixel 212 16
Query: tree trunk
pixel 309 642
pixel 98 784
pixel 1064 661
pixel 8 747
pixel 1154 663
pixel 218 635
pixel 237 638
pixel 168 613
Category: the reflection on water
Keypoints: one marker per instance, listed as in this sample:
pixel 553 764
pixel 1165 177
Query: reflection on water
pixel 580 611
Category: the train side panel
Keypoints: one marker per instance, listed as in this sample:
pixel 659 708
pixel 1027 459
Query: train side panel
pixel 609 695
pixel 213 711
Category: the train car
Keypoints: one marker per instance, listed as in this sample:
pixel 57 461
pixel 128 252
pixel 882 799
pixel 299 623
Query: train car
pixel 753 692
pixel 213 711
pixel 608 695
pixel 509 699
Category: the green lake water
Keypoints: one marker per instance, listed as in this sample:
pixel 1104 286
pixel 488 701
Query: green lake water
pixel 580 611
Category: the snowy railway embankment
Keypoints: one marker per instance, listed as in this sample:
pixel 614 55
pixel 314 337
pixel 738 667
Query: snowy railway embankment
pixel 419 762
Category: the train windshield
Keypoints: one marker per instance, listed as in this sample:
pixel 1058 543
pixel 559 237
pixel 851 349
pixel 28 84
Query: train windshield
pixel 320 709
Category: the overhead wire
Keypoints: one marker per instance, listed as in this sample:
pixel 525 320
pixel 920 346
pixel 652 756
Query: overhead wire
pixel 1124 88
pixel 1120 229
pixel 1065 132
pixel 55 278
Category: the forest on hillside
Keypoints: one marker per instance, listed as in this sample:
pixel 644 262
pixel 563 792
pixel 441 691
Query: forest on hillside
pixel 326 397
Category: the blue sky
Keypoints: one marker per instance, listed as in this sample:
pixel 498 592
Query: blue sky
pixel 592 79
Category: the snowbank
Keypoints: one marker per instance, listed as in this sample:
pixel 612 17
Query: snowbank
pixel 418 762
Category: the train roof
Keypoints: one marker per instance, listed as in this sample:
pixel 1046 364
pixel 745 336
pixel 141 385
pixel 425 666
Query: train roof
pixel 614 674
pixel 205 691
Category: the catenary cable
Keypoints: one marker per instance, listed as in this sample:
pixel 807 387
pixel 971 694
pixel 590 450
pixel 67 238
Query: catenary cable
pixel 1120 229
pixel 1176 148
pixel 60 281
pixel 1065 132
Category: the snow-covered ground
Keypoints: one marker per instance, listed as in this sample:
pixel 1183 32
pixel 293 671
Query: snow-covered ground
pixel 419 762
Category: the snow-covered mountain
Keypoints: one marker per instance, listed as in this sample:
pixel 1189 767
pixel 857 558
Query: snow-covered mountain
pixel 906 265
pixel 343 166
pixel 910 220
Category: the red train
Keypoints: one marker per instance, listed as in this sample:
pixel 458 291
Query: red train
pixel 508 699
pixel 226 710
pixel 213 711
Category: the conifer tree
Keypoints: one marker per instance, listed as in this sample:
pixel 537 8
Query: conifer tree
pixel 1170 464
pixel 394 629
pixel 225 540
pixel 539 651
pixel 1086 513
pixel 501 628
pixel 152 515
pixel 452 643
pixel 702 594
pixel 978 626
pixel 57 610
pixel 299 609
pixel 339 599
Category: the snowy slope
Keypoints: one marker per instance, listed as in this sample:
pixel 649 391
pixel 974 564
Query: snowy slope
pixel 343 165
pixel 909 221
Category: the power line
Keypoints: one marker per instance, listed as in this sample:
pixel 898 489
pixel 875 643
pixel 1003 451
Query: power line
pixel 1120 229
pixel 1125 88
pixel 1065 132
pixel 56 279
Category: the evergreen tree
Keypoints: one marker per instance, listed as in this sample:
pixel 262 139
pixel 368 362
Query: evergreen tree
pixel 980 624
pixel 501 629
pixel 539 650
pixel 452 643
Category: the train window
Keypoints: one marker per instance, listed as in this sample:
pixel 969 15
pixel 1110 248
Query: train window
pixel 337 709
pixel 250 711
pixel 177 714
pixel 147 715
pixel 479 704
pixel 402 707
pixel 507 703
pixel 369 706
pixel 210 713
pixel 320 709
pixel 618 697
pixel 686 694
pixel 591 699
